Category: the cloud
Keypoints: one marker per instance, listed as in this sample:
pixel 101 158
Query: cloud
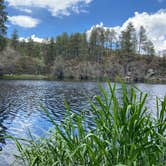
pixel 117 29
pixel 33 37
pixel 24 21
pixel 25 10
pixel 155 25
pixel 56 7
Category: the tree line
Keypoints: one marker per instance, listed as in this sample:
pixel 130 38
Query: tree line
pixel 101 42
pixel 99 53
pixel 3 27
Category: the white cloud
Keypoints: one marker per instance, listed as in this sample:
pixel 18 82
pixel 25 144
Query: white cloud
pixel 155 25
pixel 33 37
pixel 117 29
pixel 24 21
pixel 56 7
pixel 25 10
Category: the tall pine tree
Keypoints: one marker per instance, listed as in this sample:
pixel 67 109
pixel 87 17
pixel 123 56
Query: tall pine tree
pixel 3 28
pixel 15 39
pixel 145 46
pixel 129 39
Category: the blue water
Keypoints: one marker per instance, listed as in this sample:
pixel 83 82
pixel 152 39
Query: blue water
pixel 21 101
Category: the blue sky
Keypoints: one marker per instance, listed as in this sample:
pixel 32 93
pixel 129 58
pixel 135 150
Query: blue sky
pixel 47 18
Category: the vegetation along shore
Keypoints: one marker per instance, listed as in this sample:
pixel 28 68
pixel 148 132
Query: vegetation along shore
pixel 102 53
pixel 117 129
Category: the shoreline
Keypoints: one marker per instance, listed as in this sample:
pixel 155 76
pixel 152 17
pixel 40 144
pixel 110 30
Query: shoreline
pixel 51 78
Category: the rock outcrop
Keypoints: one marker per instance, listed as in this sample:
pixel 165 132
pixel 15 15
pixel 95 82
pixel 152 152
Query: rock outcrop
pixel 131 68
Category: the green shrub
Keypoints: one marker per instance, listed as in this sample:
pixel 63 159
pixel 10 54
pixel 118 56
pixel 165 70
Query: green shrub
pixel 120 132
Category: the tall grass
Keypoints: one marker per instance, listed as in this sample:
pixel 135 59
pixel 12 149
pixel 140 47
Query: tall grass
pixel 121 131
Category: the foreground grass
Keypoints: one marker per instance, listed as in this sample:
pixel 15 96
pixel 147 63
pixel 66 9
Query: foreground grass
pixel 120 131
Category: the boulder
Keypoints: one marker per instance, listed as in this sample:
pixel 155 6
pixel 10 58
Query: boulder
pixel 150 73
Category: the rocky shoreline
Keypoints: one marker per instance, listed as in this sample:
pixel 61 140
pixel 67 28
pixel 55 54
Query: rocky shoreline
pixel 130 68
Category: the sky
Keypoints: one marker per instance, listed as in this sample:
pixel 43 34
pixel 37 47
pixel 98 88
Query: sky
pixel 49 18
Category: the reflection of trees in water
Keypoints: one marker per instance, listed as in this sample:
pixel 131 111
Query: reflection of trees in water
pixel 24 99
pixel 4 110
pixel 20 99
pixel 3 129
pixel 2 134
pixel 5 104
pixel 9 106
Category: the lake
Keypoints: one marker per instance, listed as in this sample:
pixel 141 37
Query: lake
pixel 20 106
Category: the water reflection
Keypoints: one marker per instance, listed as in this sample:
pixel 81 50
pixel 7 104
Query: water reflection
pixel 20 104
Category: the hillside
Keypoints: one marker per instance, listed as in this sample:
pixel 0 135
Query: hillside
pixel 131 68
pixel 13 62
pixel 130 56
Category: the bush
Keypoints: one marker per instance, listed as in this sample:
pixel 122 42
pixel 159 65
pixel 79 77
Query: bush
pixel 120 131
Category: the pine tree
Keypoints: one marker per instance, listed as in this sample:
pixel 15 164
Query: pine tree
pixel 145 45
pixel 3 28
pixel 93 42
pixel 101 36
pixel 75 44
pixel 49 59
pixel 65 44
pixel 142 39
pixel 15 39
pixel 129 39
pixel 107 35
pixel 101 41
pixel 30 47
pixel 62 45
pixel 112 38
pixel 149 48
pixel 84 47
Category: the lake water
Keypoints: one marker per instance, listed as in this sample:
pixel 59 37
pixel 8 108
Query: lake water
pixel 20 106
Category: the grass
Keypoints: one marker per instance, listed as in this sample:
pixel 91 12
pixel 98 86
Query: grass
pixel 121 131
